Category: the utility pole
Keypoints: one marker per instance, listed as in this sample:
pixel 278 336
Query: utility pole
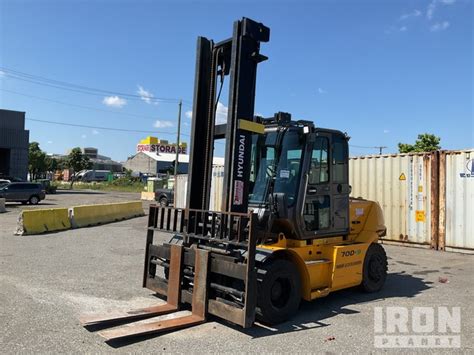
pixel 176 162
pixel 380 148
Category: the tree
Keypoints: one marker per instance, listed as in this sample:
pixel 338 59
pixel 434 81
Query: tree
pixel 76 161
pixel 52 164
pixel 426 142
pixel 36 160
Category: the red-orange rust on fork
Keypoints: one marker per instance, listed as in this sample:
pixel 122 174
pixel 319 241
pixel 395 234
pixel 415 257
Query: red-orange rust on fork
pixel 199 302
pixel 141 313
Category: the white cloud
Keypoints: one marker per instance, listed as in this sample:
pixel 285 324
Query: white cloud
pixel 403 28
pixel 322 91
pixel 221 113
pixel 439 26
pixel 386 131
pixel 146 96
pixel 83 136
pixel 163 124
pixel 114 101
pixel 2 73
pixel 431 9
pixel 49 142
pixel 414 13
pixel 95 132
pixel 434 4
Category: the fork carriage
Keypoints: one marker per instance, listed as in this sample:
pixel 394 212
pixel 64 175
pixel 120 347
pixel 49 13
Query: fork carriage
pixel 209 263
pixel 227 240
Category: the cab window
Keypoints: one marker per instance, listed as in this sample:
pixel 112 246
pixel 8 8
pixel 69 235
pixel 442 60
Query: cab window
pixel 339 159
pixel 319 170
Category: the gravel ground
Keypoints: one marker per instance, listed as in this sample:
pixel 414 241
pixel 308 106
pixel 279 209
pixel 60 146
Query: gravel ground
pixel 47 281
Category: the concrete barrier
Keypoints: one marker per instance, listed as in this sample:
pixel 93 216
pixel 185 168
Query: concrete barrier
pixel 43 220
pixel 91 215
pixel 2 205
pixel 148 196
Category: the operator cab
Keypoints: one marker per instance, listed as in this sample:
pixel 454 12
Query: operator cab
pixel 299 179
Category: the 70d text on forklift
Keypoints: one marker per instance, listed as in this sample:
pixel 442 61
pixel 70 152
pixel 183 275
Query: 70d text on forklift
pixel 287 229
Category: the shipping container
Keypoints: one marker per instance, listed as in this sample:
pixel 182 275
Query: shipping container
pixel 180 191
pixel 457 199
pixel 217 184
pixel 427 198
pixel 402 185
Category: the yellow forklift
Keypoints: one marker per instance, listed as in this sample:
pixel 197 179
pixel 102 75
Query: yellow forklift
pixel 287 229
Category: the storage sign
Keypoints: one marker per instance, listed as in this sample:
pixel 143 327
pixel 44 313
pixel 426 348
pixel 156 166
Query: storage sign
pixel 160 148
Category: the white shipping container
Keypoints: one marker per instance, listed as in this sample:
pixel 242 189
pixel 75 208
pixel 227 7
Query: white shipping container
pixel 180 191
pixel 217 184
pixel 459 199
pixel 401 184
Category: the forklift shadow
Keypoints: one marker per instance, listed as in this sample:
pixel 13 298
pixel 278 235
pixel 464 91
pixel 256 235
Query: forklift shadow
pixel 315 314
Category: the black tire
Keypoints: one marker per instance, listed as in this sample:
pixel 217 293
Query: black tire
pixel 163 202
pixel 278 291
pixel 375 268
pixel 34 200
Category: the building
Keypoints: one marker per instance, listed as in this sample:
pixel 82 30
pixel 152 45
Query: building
pixel 14 142
pixel 99 162
pixel 155 156
pixel 160 163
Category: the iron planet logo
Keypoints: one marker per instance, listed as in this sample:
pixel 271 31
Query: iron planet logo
pixel 469 173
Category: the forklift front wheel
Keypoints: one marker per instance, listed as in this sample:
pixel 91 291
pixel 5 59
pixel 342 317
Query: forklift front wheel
pixel 375 268
pixel 278 291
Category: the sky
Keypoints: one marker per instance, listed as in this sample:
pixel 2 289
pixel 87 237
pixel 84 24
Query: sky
pixel 382 71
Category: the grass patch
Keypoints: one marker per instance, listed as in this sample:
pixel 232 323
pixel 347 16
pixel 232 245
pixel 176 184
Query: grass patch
pixel 122 185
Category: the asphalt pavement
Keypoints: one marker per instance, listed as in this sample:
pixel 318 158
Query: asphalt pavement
pixel 48 281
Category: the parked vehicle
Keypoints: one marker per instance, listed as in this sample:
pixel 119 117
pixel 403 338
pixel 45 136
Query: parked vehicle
pixel 164 196
pixel 11 178
pixel 23 192
pixel 93 175
pixel 4 182
pixel 50 189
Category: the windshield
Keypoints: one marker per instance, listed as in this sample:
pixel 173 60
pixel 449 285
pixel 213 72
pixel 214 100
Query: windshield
pixel 273 171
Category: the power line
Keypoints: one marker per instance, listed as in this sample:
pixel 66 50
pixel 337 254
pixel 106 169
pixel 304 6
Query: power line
pixel 80 106
pixel 379 147
pixel 361 146
pixel 40 80
pixel 108 128
pixel 97 127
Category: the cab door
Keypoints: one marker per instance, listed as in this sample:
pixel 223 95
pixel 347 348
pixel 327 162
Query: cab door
pixel 326 204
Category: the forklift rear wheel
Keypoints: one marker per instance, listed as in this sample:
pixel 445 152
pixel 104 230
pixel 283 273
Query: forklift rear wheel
pixel 375 268
pixel 278 291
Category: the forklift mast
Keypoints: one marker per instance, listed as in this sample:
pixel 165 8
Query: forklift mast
pixel 238 58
